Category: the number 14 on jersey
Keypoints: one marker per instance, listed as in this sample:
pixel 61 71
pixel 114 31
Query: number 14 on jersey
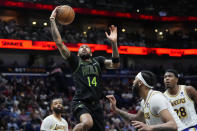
pixel 92 81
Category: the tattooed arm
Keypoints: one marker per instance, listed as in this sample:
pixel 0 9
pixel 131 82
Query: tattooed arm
pixel 57 37
pixel 130 117
pixel 127 116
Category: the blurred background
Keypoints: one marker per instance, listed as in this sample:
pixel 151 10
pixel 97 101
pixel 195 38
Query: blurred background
pixel 152 35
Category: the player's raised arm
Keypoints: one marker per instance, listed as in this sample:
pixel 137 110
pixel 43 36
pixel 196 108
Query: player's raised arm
pixel 57 37
pixel 115 62
pixel 127 116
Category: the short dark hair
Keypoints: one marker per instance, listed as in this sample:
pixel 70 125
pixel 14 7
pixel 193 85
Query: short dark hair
pixel 175 72
pixel 55 99
pixel 149 77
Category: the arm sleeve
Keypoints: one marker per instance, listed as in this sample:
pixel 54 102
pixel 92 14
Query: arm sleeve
pixel 45 126
pixel 158 103
pixel 73 61
pixel 101 61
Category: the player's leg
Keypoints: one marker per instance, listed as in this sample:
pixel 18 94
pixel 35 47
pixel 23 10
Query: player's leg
pixel 83 116
pixel 98 118
pixel 85 124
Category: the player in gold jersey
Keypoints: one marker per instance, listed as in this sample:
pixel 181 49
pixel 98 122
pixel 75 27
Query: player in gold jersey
pixel 182 98
pixel 156 113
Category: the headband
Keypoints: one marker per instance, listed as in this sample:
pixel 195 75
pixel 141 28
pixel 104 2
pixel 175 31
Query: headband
pixel 139 76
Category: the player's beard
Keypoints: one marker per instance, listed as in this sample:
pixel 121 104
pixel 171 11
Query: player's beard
pixel 57 110
pixel 135 91
pixel 84 56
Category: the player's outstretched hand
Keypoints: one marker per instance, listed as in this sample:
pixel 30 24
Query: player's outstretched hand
pixel 112 100
pixel 113 34
pixel 54 12
pixel 141 126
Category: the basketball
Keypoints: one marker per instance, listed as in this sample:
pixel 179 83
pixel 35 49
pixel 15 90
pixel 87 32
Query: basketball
pixel 65 15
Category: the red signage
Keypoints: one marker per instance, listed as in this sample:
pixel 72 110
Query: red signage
pixel 130 50
pixel 15 44
pixel 87 11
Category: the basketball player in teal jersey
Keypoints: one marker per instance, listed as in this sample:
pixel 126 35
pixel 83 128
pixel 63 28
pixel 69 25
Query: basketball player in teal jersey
pixel 86 72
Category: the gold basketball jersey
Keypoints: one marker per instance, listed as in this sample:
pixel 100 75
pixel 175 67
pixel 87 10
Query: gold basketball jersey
pixel 183 106
pixel 154 103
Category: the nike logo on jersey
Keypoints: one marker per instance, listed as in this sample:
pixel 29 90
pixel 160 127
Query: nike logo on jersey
pixel 59 127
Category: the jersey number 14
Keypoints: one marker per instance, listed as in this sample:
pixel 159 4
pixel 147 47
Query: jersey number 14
pixel 92 82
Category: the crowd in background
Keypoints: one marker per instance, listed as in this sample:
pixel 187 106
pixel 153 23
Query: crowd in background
pixel 149 7
pixel 179 40
pixel 25 100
